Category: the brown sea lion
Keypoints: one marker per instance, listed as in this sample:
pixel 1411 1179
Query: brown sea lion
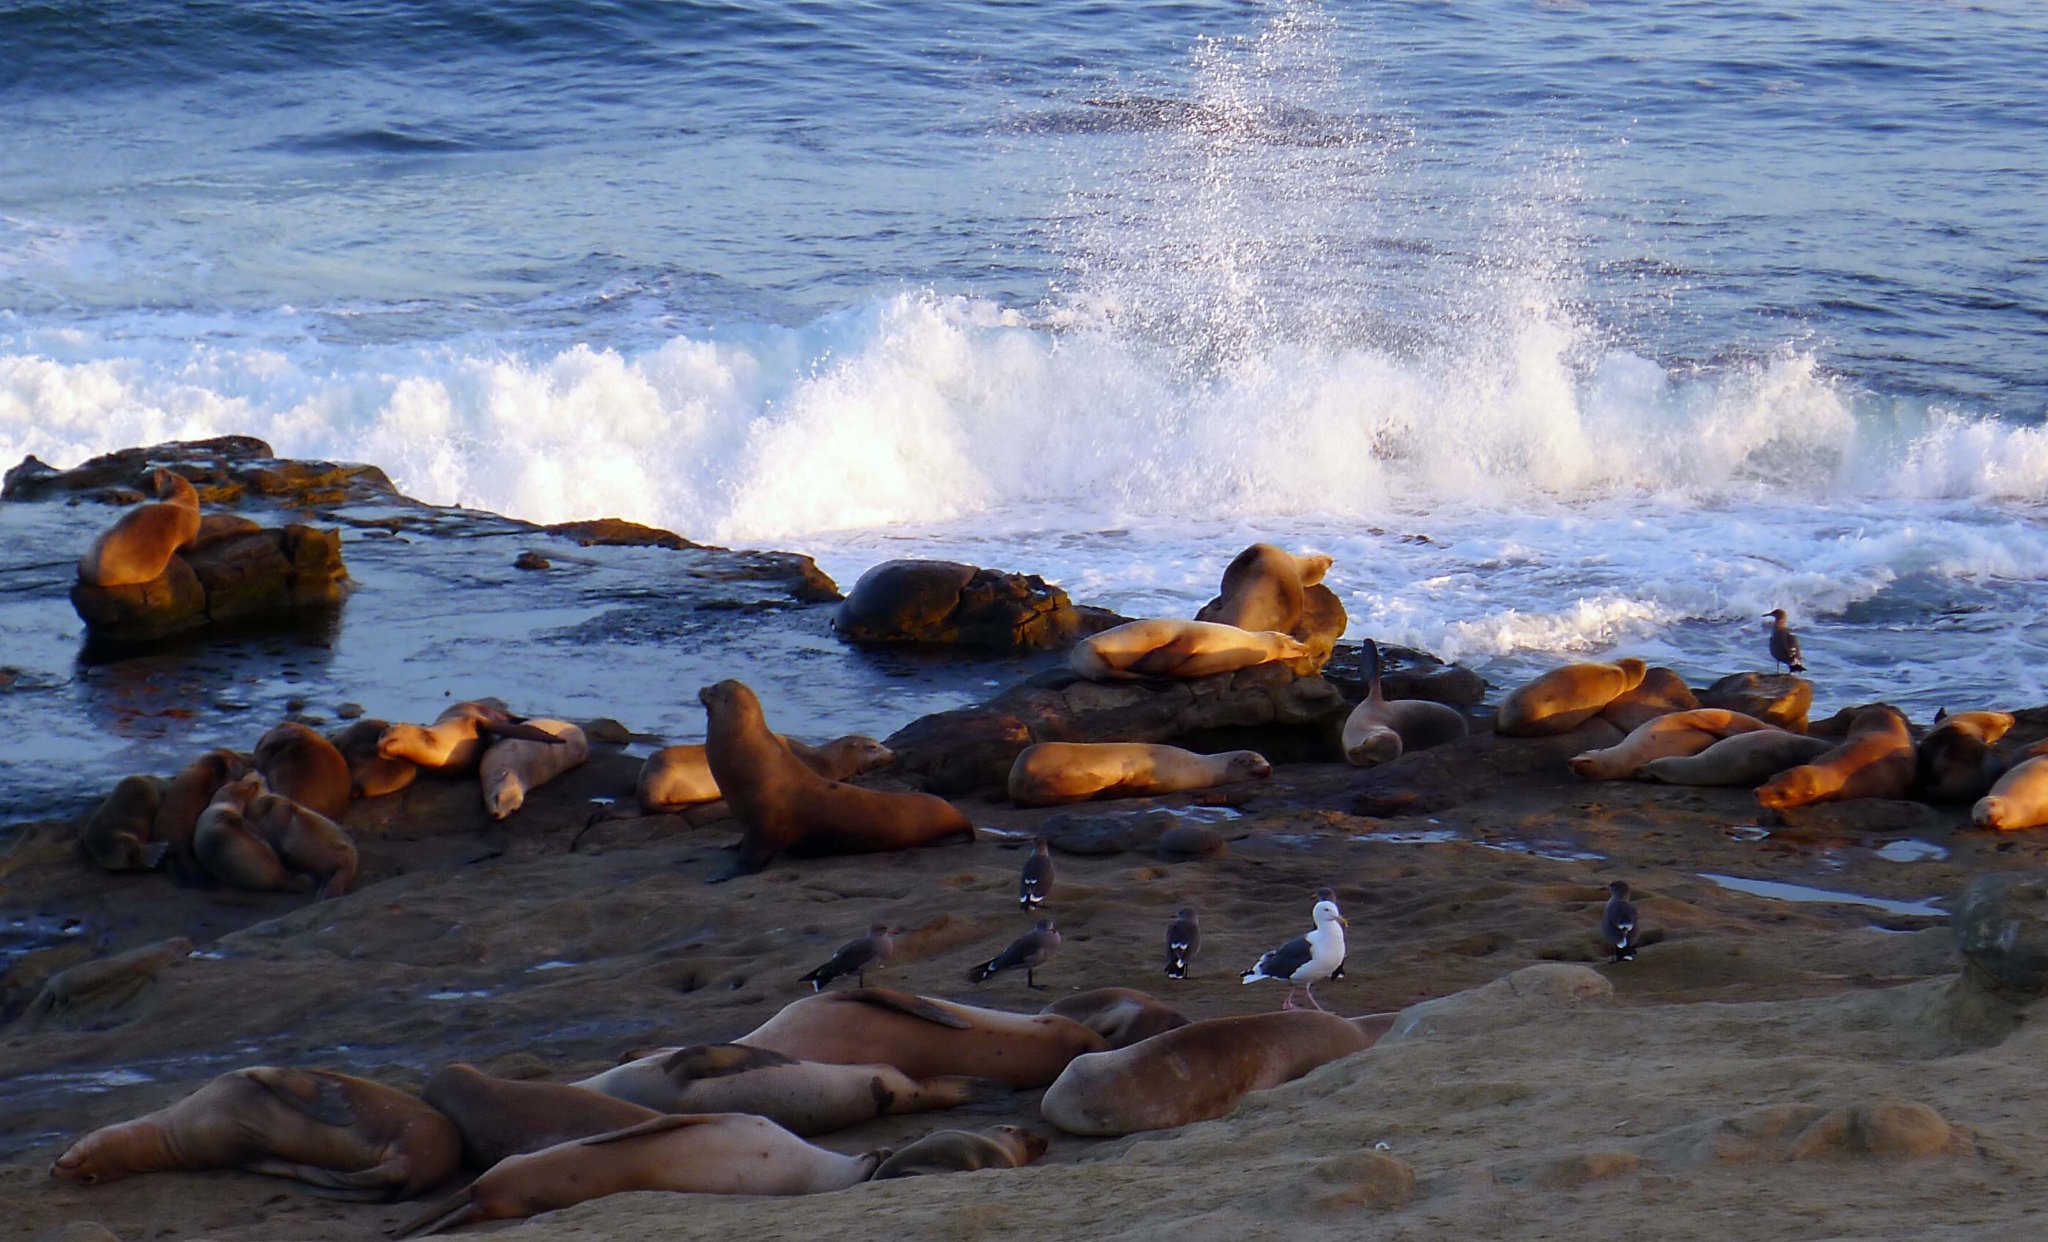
pixel 710 1153
pixel 1056 773
pixel 191 792
pixel 347 1136
pixel 251 838
pixel 499 1118
pixel 1876 761
pixel 2018 800
pixel 1263 589
pixel 512 767
pixel 299 764
pixel 1196 1072
pixel 1675 733
pixel 925 1038
pixel 1746 759
pixel 965 1151
pixel 1660 693
pixel 1381 730
pixel 806 1097
pixel 117 835
pixel 371 775
pixel 675 778
pixel 783 805
pixel 139 545
pixel 1956 761
pixel 1122 1016
pixel 1170 647
pixel 1565 698
pixel 454 744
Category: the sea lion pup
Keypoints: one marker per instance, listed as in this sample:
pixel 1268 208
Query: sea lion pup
pixel 1122 1016
pixel 782 804
pixel 1380 730
pixel 191 792
pixel 1196 1072
pixel 117 836
pixel 675 778
pixel 1875 762
pixel 499 1118
pixel 139 545
pixel 1739 759
pixel 1262 589
pixel 512 766
pixel 1679 733
pixel 806 1097
pixel 349 1137
pixel 299 764
pixel 371 775
pixel 925 1038
pixel 1170 647
pixel 2018 800
pixel 1056 773
pixel 1955 761
pixel 711 1153
pixel 251 838
pixel 454 744
pixel 965 1151
pixel 1565 698
pixel 1660 693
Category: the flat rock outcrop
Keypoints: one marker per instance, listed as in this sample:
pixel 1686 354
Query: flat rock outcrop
pixel 946 602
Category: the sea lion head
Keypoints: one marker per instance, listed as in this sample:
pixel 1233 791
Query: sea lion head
pixel 402 741
pixel 241 791
pixel 86 1162
pixel 1026 1145
pixel 1312 567
pixel 1249 765
pixel 1379 745
pixel 729 697
pixel 855 754
pixel 1793 787
pixel 1633 669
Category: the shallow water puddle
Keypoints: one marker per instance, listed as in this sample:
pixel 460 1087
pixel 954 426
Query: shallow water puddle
pixel 1910 850
pixel 1799 892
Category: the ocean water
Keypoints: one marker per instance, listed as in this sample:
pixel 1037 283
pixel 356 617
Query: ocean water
pixel 1567 327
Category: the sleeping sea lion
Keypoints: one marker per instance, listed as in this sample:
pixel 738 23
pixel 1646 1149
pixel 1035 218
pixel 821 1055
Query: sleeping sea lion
pixel 675 778
pixel 2018 800
pixel 965 1151
pixel 191 792
pixel 499 1118
pixel 512 766
pixel 1565 698
pixel 1170 647
pixel 1660 693
pixel 1263 589
pixel 454 744
pixel 117 836
pixel 1747 759
pixel 251 838
pixel 1381 730
pixel 371 775
pixel 299 764
pixel 1956 761
pixel 1676 733
pixel 1876 761
pixel 1056 773
pixel 138 547
pixel 925 1038
pixel 1122 1016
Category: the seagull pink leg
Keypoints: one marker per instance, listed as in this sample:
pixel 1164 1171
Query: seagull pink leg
pixel 1311 989
pixel 1288 1004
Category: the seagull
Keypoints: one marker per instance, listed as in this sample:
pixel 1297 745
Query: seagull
pixel 1036 885
pixel 1784 643
pixel 1030 950
pixel 854 959
pixel 1618 925
pixel 1183 941
pixel 1308 959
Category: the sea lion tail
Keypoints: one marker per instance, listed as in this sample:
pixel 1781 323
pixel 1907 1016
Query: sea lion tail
pixel 462 1209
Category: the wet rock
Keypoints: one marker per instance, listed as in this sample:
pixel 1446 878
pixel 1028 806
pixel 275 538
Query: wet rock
pixel 1184 842
pixel 614 533
pixel 269 569
pixel 1471 768
pixel 1359 1179
pixel 532 560
pixel 1097 835
pixel 1782 699
pixel 349 711
pixel 168 603
pixel 1872 815
pixel 1504 1002
pixel 1405 673
pixel 947 602
pixel 225 471
pixel 2001 924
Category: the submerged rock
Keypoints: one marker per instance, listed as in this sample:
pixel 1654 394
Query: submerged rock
pixel 951 603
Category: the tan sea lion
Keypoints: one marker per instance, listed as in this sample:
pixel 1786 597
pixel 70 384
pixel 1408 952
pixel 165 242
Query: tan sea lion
pixel 117 835
pixel 499 1118
pixel 512 767
pixel 1565 698
pixel 925 1038
pixel 1746 759
pixel 191 792
pixel 139 545
pixel 711 1153
pixel 1198 1071
pixel 1677 733
pixel 299 764
pixel 1056 773
pixel 454 744
pixel 2018 800
pixel 1169 647
pixel 1660 693
pixel 1262 589
pixel 1956 761
pixel 348 1136
pixel 783 805
pixel 965 1151
pixel 1381 730
pixel 1876 761
pixel 371 775
pixel 251 838
pixel 675 778
pixel 806 1097
pixel 1122 1016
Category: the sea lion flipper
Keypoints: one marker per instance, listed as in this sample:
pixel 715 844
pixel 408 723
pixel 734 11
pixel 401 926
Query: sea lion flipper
pixel 448 1213
pixel 315 1095
pixel 719 1061
pixel 653 1125
pixel 369 1186
pixel 511 728
pixel 908 1005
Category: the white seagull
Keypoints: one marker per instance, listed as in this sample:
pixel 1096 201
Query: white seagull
pixel 1306 960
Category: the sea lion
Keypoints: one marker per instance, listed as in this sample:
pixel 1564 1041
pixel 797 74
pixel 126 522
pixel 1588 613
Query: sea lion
pixel 1876 761
pixel 191 792
pixel 499 1118
pixel 1122 1016
pixel 711 1153
pixel 675 778
pixel 1196 1072
pixel 1381 730
pixel 299 764
pixel 925 1038
pixel 806 1097
pixel 138 547
pixel 1056 773
pixel 1955 762
pixel 1747 759
pixel 1678 733
pixel 454 744
pixel 1660 693
pixel 2018 800
pixel 1170 647
pixel 117 835
pixel 965 1151
pixel 781 804
pixel 347 1136
pixel 1565 698
pixel 513 766
pixel 371 775
pixel 251 838
pixel 1263 589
